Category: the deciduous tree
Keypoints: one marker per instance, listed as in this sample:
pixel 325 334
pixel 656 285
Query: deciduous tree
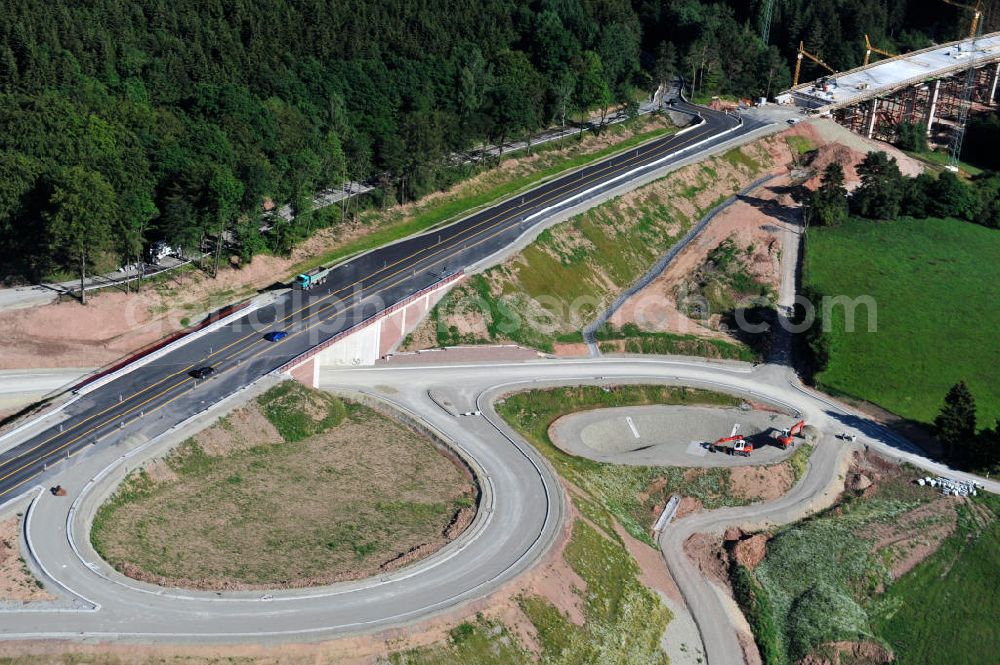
pixel 80 211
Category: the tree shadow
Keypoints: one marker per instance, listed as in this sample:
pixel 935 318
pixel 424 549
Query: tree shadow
pixel 895 437
pixel 772 208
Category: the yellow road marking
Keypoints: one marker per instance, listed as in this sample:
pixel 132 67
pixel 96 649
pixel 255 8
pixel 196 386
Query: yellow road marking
pixel 548 196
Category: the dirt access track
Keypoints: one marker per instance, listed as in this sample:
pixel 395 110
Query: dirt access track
pixel 758 221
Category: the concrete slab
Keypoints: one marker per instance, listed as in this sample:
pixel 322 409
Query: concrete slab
pixel 668 435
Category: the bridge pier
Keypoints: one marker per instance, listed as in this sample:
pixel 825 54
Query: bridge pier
pixel 872 114
pixel 993 86
pixel 933 106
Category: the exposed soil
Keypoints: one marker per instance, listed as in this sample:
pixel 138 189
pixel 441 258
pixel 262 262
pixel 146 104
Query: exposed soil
pixel 653 570
pixel 751 654
pixel 707 553
pixel 915 535
pixel 750 551
pixel 757 221
pixel 243 429
pixel 687 506
pixel 364 497
pixel 668 302
pixel 828 135
pixel 17 584
pixel 664 203
pixel 761 483
pixel 848 653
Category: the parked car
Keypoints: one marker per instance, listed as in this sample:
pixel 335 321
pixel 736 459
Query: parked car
pixel 276 335
pixel 203 372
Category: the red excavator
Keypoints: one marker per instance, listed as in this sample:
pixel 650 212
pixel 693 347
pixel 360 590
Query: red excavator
pixel 788 437
pixel 740 446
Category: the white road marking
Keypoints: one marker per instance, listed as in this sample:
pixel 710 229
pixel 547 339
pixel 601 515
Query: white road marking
pixel 631 426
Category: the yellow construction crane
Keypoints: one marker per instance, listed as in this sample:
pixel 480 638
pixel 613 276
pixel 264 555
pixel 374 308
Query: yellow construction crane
pixel 977 13
pixel 869 49
pixel 798 63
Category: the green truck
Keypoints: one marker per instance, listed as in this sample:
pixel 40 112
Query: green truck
pixel 308 280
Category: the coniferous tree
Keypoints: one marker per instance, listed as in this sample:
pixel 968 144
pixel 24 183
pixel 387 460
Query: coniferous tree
pixel 880 194
pixel 956 424
pixel 829 201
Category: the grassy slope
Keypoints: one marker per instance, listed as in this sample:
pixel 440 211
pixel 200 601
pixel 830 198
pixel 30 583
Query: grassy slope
pixel 623 619
pixel 945 610
pixel 937 285
pixel 303 510
pixel 575 268
pixel 819 583
pixel 463 200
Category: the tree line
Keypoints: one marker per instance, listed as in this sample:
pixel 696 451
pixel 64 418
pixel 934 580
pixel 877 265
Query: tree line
pixel 128 122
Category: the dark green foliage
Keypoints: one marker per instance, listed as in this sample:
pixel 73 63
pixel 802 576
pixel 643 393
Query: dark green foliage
pixel 982 141
pixel 756 606
pixel 829 201
pixel 956 424
pixel 813 344
pixel 195 112
pixel 912 136
pixel 951 197
pixel 917 196
pixel 880 195
pixel 987 187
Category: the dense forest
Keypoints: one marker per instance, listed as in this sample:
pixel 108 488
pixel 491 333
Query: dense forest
pixel 123 122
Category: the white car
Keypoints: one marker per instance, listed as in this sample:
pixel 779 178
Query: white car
pixel 794 121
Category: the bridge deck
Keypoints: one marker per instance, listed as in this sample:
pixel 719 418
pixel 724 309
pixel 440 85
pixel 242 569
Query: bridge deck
pixel 887 76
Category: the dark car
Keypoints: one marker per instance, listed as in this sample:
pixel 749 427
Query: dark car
pixel 203 372
pixel 276 335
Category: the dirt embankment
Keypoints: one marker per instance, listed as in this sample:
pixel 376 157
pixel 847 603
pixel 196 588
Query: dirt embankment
pixel 17 584
pixel 686 298
pixel 558 283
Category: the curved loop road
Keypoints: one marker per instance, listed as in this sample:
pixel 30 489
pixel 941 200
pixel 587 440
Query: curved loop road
pixel 523 515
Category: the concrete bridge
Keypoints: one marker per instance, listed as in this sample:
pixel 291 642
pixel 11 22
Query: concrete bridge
pixel 922 87
pixel 371 339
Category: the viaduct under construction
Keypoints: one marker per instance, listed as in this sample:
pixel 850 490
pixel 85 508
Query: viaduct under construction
pixel 928 87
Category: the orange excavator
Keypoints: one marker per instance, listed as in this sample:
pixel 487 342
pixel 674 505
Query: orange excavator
pixel 740 446
pixel 788 437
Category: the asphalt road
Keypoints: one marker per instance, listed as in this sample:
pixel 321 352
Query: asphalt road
pixel 148 401
pixel 521 513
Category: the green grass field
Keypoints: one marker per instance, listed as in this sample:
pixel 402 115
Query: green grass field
pixel 945 610
pixel 936 284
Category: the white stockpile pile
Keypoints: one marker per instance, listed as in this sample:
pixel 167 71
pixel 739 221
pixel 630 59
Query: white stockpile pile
pixel 951 487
